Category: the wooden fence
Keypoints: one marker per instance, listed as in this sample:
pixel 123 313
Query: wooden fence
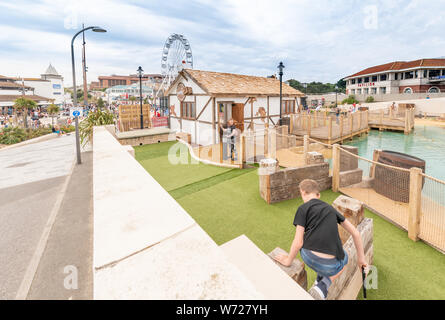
pixel 130 117
pixel 407 198
pixel 401 119
pixel 329 128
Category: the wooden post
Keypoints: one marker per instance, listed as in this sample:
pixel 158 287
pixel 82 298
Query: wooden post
pixel 375 158
pixel 291 124
pixel 309 126
pixel 254 147
pixel 407 115
pixel 242 151
pixel 336 167
pixel 367 118
pixel 330 129
pixel 341 127
pixel 266 141
pixel 381 116
pixel 305 148
pixel 415 201
pixel 351 123
pixel 324 119
pixel 360 120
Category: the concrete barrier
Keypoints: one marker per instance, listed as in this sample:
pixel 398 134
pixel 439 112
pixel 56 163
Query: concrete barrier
pixel 146 246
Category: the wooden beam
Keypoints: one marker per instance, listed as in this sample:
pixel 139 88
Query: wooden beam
pixel 199 115
pixel 213 121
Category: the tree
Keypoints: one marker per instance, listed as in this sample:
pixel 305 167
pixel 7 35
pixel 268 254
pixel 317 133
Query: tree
pixel 100 103
pixel 318 87
pixel 52 111
pixel 24 105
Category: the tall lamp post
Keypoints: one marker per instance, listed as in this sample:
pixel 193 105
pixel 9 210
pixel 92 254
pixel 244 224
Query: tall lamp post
pixel 140 73
pixel 280 73
pixel 336 91
pixel 95 29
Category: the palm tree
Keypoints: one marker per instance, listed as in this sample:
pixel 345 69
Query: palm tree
pixel 24 105
pixel 52 111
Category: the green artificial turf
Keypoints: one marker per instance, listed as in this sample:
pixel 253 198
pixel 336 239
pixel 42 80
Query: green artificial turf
pixel 155 159
pixel 226 203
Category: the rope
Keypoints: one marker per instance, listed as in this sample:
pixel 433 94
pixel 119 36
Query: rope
pixel 375 162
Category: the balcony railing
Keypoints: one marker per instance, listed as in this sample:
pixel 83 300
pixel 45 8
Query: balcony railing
pixel 437 78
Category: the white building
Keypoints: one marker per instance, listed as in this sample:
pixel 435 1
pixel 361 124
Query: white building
pixel 419 76
pixel 10 90
pixel 200 100
pixel 124 92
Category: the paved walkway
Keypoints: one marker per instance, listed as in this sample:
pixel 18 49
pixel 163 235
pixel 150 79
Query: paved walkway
pixel 32 180
pixel 36 162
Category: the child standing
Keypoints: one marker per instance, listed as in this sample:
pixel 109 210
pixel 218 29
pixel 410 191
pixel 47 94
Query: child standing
pixel 318 239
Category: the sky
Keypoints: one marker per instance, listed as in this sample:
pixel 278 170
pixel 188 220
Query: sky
pixel 317 40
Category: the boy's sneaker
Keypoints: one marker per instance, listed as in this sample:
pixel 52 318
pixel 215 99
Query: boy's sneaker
pixel 318 279
pixel 319 291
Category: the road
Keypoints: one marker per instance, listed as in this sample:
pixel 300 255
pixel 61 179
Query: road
pixel 45 221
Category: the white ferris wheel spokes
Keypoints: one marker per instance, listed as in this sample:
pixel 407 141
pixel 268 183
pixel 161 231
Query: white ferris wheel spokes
pixel 176 55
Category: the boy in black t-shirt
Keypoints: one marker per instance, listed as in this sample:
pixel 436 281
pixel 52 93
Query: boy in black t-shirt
pixel 317 237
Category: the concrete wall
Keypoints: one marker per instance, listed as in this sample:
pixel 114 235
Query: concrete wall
pixel 399 96
pixel 431 107
pixel 146 246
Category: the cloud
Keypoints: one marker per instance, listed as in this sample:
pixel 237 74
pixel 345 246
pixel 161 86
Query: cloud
pixel 317 40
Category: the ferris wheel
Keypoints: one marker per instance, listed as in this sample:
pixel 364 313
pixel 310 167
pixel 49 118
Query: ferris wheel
pixel 176 55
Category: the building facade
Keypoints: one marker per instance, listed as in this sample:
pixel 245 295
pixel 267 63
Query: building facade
pixel 49 85
pixel 201 100
pixel 124 92
pixel 115 80
pixel 10 90
pixel 419 76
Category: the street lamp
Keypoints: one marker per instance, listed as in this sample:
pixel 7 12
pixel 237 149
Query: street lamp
pixel 336 90
pixel 280 73
pixel 95 29
pixel 140 73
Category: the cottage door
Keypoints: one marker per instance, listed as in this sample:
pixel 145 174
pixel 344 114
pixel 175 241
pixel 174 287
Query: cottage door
pixel 238 115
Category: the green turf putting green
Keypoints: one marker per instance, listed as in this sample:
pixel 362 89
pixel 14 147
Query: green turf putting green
pixel 154 158
pixel 226 204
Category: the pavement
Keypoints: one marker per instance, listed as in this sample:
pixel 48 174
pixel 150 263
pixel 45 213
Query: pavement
pixel 45 222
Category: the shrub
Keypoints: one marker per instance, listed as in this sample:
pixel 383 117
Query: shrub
pixel 12 135
pixel 350 100
pixel 370 99
pixel 97 118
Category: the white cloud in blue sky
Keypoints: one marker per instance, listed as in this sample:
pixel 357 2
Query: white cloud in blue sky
pixel 318 40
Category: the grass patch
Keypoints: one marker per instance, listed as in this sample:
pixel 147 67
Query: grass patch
pixel 206 183
pixel 227 204
pixel 154 158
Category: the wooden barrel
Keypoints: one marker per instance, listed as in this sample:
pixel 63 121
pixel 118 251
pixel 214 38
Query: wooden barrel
pixel 393 183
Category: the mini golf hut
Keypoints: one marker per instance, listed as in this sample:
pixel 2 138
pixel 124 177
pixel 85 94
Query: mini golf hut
pixel 201 100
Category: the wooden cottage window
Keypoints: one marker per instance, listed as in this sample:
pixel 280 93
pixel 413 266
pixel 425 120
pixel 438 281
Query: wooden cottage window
pixel 288 107
pixel 188 110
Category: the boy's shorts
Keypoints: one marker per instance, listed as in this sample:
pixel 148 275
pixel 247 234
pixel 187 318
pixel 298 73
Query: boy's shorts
pixel 323 267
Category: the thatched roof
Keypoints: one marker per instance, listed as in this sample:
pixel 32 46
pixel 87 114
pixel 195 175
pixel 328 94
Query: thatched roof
pixel 229 84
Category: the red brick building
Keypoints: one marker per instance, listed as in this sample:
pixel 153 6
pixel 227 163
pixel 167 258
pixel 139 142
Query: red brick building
pixel 116 80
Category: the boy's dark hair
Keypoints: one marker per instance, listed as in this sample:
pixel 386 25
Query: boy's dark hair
pixel 309 186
